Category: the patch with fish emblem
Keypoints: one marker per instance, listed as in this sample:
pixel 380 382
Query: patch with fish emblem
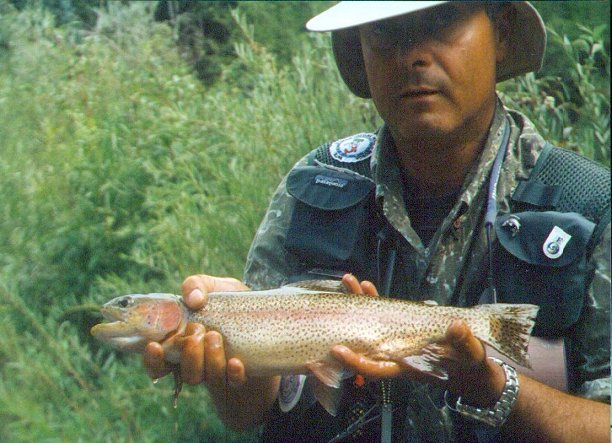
pixel 353 149
pixel 290 391
pixel 555 243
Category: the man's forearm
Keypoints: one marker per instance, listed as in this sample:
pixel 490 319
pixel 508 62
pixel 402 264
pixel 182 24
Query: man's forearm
pixel 543 414
pixel 246 407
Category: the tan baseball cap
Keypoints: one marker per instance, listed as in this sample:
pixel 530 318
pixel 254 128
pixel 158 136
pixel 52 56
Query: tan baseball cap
pixel 527 42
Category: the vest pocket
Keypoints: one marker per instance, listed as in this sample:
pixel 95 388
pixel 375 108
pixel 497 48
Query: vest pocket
pixel 541 259
pixel 329 225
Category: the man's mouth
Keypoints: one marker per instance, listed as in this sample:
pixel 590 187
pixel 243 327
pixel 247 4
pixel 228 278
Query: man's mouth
pixel 420 92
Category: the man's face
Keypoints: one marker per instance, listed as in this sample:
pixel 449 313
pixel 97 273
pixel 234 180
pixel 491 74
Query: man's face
pixel 432 73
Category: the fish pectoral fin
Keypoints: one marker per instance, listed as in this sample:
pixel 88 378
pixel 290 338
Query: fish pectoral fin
pixel 327 396
pixel 428 360
pixel 328 372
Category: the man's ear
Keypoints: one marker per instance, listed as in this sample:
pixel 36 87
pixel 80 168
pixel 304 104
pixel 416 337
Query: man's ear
pixel 503 21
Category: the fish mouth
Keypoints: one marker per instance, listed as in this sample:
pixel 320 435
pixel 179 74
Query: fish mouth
pixel 112 313
pixel 120 335
pixel 111 330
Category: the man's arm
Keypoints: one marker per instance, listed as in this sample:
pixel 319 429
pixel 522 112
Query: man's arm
pixel 541 413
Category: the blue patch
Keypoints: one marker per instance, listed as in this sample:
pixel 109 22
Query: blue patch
pixel 353 149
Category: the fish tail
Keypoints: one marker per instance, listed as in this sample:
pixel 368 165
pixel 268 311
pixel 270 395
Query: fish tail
pixel 510 327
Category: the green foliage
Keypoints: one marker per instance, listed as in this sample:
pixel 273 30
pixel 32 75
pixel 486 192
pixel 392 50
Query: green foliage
pixel 572 112
pixel 121 172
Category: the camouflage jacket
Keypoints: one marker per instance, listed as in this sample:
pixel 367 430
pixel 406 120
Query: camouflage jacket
pixel 450 268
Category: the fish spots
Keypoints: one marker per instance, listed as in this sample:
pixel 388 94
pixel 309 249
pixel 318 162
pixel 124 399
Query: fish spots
pixel 279 332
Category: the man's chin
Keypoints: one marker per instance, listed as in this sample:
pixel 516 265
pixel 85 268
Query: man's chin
pixel 425 128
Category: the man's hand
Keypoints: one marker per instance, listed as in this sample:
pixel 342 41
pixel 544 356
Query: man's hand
pixel 240 402
pixel 478 380
pixel 202 354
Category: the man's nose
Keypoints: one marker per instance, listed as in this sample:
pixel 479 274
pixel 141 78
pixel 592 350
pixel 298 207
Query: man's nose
pixel 414 51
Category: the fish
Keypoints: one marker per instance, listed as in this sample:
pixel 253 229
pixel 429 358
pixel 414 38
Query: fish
pixel 291 329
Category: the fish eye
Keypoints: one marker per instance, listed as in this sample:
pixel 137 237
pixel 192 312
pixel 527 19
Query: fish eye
pixel 125 302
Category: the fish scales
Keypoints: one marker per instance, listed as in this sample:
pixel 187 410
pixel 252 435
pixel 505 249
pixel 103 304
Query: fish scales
pixel 291 330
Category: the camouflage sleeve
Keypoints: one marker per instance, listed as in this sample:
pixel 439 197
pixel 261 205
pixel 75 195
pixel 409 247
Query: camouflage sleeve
pixel 268 264
pixel 590 350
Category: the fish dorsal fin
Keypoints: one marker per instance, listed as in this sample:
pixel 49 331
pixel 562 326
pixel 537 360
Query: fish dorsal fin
pixel 320 285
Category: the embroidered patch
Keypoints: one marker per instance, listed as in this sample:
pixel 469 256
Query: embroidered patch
pixel 555 243
pixel 353 149
pixel 290 391
pixel 333 182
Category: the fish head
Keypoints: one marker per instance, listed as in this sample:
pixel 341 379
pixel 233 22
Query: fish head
pixel 137 319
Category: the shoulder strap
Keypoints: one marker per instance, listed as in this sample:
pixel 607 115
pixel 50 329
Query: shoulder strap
pixel 565 181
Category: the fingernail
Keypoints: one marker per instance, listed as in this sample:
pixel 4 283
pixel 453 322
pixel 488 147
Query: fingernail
pixel 213 339
pixel 194 298
pixel 339 349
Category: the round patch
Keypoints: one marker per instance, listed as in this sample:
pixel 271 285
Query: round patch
pixel 290 391
pixel 354 148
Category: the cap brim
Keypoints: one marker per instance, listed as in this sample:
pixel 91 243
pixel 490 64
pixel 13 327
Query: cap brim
pixel 355 13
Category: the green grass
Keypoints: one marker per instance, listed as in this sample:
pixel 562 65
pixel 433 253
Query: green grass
pixel 120 173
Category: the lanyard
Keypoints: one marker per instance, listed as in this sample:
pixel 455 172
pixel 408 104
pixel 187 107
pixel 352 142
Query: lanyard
pixel 491 212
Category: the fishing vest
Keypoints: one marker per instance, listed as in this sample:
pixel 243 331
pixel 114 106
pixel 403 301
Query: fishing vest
pixel 336 227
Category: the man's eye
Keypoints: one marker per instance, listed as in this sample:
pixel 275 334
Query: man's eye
pixel 383 35
pixel 376 29
pixel 443 18
pixel 384 30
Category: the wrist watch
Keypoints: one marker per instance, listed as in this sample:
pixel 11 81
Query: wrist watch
pixel 497 415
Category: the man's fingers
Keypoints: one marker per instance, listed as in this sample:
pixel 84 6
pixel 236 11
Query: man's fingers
pixel 215 360
pixel 194 328
pixel 195 291
pixel 365 366
pixel 464 344
pixel 236 375
pixel 352 284
pixel 192 359
pixel 195 288
pixel 154 363
pixel 368 288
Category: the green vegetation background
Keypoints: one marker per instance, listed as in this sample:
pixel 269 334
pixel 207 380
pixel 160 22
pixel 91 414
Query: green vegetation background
pixel 131 157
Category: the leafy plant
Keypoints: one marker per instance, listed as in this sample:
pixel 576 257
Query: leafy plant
pixel 121 172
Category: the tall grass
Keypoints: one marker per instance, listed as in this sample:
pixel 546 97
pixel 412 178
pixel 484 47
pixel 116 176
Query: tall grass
pixel 121 173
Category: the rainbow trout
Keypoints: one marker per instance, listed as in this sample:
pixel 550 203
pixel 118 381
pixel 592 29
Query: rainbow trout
pixel 290 330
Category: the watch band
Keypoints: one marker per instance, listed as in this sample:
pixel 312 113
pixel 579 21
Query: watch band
pixel 498 414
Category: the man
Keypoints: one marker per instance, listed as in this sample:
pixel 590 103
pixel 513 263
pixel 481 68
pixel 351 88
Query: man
pixel 448 159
